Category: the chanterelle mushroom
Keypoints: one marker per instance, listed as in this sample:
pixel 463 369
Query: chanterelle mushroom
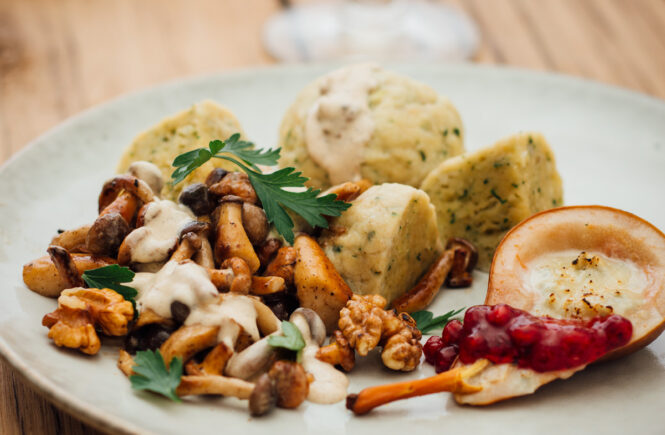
pixel 119 201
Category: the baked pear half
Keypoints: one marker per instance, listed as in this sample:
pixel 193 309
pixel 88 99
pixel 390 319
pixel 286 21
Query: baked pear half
pixel 575 262
pixel 583 262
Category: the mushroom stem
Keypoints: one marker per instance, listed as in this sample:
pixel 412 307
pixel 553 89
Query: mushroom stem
pixel 266 285
pixel 213 384
pixel 452 381
pixel 232 240
pixel 204 257
pixel 422 294
pixel 185 250
pixel 125 204
pixel 242 275
pixel 221 278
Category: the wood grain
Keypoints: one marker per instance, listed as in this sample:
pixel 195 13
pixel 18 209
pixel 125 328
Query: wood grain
pixel 58 57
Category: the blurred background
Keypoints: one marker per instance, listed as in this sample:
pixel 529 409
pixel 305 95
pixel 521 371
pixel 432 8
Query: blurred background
pixel 58 57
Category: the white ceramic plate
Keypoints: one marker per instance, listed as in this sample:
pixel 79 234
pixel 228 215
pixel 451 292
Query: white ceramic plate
pixel 610 149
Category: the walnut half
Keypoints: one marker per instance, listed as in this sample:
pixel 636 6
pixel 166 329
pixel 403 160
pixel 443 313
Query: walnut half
pixel 81 311
pixel 366 324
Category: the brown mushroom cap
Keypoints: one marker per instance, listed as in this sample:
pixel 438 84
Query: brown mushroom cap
pixel 263 398
pixel 129 183
pixel 107 234
pixel 255 222
pixel 291 383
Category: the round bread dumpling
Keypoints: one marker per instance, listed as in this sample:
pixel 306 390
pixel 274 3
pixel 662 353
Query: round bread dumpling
pixel 385 241
pixel 362 121
pixel 185 131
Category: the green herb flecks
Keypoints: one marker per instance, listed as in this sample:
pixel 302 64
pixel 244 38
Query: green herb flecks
pixel 426 322
pixel 270 188
pixel 153 375
pixel 496 195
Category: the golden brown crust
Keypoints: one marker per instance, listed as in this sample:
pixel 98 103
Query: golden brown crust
pixel 319 286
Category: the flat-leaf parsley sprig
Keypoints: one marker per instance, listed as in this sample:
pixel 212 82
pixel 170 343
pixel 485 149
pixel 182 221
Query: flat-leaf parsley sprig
pixel 270 188
pixel 426 322
pixel 152 374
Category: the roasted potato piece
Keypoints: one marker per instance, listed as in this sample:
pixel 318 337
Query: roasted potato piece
pixel 41 275
pixel 319 285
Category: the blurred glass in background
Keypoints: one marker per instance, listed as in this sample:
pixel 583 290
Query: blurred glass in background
pixel 370 29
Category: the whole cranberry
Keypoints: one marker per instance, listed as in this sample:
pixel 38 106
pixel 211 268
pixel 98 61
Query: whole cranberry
pixel 445 358
pixel 473 347
pixel 576 346
pixel 432 347
pixel 500 315
pixel 475 315
pixel 524 332
pixel 618 330
pixel 452 332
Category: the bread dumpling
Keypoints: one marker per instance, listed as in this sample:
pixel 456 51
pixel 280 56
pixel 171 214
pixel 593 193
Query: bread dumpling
pixel 385 241
pixel 362 121
pixel 185 131
pixel 481 195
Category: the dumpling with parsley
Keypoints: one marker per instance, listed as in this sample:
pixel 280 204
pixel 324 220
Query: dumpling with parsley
pixel 185 131
pixel 362 121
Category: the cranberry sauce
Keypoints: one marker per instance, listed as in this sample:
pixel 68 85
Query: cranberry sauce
pixel 504 334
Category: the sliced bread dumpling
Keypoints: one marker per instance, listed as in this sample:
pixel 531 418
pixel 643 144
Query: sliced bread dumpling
pixel 479 196
pixel 385 241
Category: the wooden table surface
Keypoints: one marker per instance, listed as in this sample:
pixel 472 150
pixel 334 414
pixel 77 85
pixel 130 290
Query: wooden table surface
pixel 58 57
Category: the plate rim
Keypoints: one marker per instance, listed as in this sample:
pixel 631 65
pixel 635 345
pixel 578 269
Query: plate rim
pixel 97 417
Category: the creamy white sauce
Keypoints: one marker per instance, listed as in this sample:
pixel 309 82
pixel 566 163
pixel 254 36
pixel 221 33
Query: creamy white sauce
pixel 154 241
pixel 329 385
pixel 238 308
pixel 186 282
pixel 586 290
pixel 339 123
pixel 149 173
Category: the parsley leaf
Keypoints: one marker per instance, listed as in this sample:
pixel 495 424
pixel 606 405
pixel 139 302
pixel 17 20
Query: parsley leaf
pixel 291 338
pixel 270 188
pixel 112 277
pixel 426 322
pixel 153 375
pixel 307 204
pixel 245 150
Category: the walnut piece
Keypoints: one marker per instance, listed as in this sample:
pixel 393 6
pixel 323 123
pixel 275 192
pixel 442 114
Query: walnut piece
pixel 81 311
pixel 361 322
pixel 366 324
pixel 402 351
